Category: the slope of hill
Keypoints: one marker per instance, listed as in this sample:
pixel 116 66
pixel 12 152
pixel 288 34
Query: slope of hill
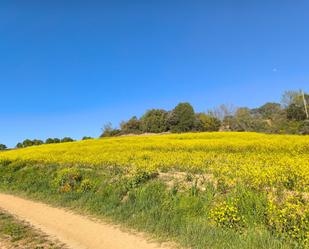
pixel 203 190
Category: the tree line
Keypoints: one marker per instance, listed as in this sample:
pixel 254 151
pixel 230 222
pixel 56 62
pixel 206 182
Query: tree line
pixel 288 117
pixel 32 142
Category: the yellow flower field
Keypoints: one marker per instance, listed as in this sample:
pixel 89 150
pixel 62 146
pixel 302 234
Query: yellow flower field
pixel 258 160
pixel 276 166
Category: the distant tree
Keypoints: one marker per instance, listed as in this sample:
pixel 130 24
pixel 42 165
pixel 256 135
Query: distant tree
pixel 27 143
pixel 222 111
pixel 3 147
pixel 182 118
pixel 57 140
pixel 291 97
pixel 206 122
pixel 304 127
pixel 109 131
pixel 66 139
pixel 49 141
pixel 37 142
pixel 86 138
pixel 269 110
pixel 52 140
pixel 293 101
pixel 295 112
pixel 19 145
pixel 133 125
pixel 242 120
pixel 155 121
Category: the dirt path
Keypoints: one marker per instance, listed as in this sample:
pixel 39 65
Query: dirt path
pixel 76 231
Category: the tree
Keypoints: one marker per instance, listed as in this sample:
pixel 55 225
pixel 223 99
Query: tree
pixel 66 139
pixel 295 112
pixel 242 120
pixel 37 142
pixel 269 110
pixel 155 121
pixel 52 140
pixel 222 111
pixel 3 147
pixel 109 131
pixel 57 140
pixel 49 141
pixel 182 118
pixel 290 97
pixel 133 125
pixel 27 143
pixel 19 145
pixel 293 101
pixel 86 138
pixel 206 122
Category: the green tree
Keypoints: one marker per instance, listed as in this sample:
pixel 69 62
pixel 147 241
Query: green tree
pixel 293 101
pixel 37 142
pixel 206 122
pixel 52 140
pixel 295 112
pixel 49 141
pixel 155 121
pixel 66 139
pixel 57 140
pixel 86 138
pixel 3 147
pixel 27 143
pixel 109 131
pixel 133 125
pixel 19 145
pixel 182 118
pixel 243 120
pixel 269 110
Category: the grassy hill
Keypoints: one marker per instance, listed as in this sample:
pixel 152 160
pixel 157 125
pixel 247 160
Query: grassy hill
pixel 204 190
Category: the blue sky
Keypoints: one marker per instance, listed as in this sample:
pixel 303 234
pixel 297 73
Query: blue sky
pixel 68 67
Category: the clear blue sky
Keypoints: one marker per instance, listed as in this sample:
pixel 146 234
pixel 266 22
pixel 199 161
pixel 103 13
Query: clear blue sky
pixel 68 67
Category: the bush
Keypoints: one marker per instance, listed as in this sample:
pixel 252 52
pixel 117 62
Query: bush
pixel 86 186
pixel 68 179
pixel 140 177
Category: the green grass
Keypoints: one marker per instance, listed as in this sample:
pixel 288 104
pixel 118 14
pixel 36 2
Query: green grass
pixel 144 202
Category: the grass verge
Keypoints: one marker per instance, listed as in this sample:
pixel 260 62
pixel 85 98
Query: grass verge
pixel 182 211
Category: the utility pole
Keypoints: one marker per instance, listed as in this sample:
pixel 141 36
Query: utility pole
pixel 305 104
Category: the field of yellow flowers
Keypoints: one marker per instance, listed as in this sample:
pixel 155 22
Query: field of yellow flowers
pixel 275 165
pixel 258 160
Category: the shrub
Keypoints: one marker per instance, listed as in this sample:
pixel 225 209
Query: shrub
pixel 140 177
pixel 68 179
pixel 86 186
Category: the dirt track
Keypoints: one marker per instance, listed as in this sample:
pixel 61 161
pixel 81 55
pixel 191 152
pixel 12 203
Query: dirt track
pixel 76 231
